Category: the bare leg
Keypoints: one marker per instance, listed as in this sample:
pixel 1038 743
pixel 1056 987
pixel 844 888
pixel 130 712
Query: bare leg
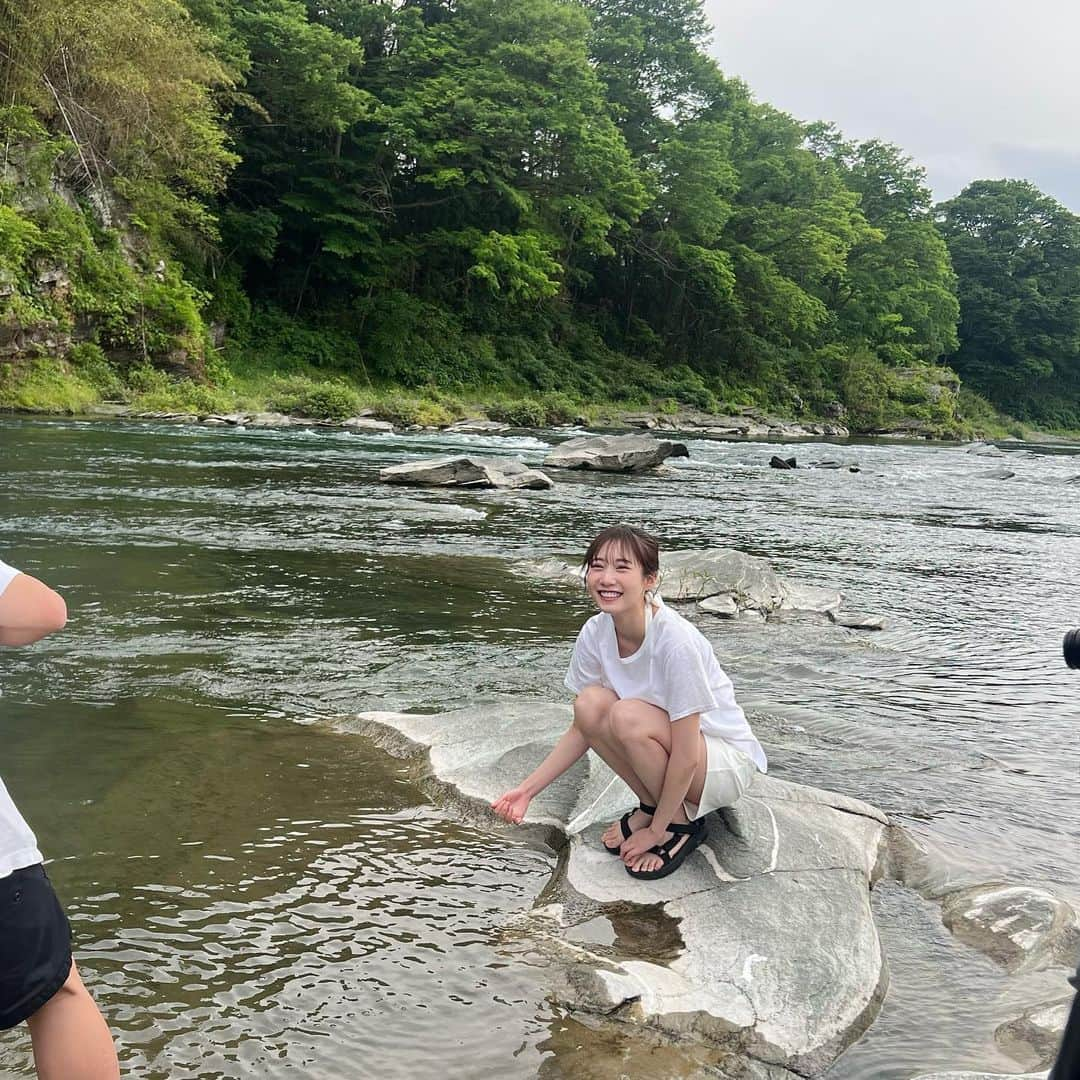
pixel 643 734
pixel 70 1037
pixel 591 709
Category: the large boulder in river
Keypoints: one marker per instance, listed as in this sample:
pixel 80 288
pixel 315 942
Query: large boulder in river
pixel 614 453
pixel 694 575
pixel 472 472
pixel 774 954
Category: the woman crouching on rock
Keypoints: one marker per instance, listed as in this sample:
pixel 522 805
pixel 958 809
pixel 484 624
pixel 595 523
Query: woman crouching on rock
pixel 654 703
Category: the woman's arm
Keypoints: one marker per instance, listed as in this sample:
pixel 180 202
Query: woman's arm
pixel 570 747
pixel 682 762
pixel 29 610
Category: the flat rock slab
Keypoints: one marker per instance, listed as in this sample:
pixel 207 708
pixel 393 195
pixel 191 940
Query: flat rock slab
pixel 463 471
pixel 614 453
pixel 722 604
pixel 797 597
pixel 477 427
pixel 780 962
pixel 855 620
pixel 1021 927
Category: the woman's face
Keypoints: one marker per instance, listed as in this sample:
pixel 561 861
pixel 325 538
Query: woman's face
pixel 616 581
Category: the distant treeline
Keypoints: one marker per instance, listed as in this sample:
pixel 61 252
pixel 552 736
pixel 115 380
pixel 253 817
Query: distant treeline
pixel 535 195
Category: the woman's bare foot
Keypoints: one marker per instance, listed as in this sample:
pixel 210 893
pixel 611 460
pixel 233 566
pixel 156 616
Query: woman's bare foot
pixel 649 861
pixel 613 836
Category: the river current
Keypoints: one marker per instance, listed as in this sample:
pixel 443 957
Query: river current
pixel 254 893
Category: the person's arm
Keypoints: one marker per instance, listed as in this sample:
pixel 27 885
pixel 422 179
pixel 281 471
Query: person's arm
pixel 682 761
pixel 685 748
pixel 570 747
pixel 29 610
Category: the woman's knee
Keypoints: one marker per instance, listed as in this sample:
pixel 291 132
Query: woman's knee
pixel 591 708
pixel 631 718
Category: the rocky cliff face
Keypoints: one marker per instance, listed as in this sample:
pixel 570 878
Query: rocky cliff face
pixel 74 269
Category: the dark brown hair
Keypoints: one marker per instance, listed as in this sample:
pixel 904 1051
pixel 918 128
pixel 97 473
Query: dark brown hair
pixel 644 548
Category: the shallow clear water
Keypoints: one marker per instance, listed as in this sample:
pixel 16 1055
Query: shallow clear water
pixel 253 894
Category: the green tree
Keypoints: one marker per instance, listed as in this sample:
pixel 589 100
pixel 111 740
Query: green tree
pixel 134 87
pixel 897 294
pixel 1016 252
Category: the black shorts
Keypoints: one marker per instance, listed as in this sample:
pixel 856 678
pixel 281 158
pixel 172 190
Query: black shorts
pixel 35 944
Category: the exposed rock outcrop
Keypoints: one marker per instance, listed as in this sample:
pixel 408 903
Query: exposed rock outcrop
pixel 779 960
pixel 613 453
pixel 462 471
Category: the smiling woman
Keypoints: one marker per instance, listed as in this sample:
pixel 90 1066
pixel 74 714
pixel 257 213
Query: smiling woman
pixel 654 703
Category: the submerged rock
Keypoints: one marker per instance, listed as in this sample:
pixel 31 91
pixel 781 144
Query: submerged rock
pixel 811 598
pixel 474 472
pixel 779 960
pixel 1034 1038
pixel 1019 926
pixel 980 1076
pixel 614 453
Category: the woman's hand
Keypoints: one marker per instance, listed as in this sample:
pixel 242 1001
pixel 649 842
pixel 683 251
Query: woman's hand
pixel 637 843
pixel 512 806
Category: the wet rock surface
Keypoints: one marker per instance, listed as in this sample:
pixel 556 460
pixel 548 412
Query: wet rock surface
pixel 1033 1039
pixel 1019 926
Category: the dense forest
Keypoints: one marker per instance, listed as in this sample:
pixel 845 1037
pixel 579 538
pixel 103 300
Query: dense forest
pixel 546 202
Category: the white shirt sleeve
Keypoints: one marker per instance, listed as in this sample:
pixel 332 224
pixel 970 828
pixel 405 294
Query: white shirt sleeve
pixel 684 684
pixel 7 573
pixel 585 667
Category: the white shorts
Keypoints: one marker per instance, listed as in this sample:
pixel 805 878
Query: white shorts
pixel 729 772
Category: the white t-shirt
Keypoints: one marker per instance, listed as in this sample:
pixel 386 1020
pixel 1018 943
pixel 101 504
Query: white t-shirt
pixel 18 846
pixel 675 669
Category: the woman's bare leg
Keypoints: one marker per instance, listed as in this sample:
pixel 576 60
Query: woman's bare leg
pixel 643 734
pixel 71 1039
pixel 591 710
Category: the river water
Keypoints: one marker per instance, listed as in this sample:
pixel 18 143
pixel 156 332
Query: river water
pixel 253 893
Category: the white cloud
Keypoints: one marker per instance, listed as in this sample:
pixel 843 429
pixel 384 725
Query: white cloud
pixel 970 89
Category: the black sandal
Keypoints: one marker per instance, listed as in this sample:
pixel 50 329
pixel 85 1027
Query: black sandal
pixel 624 824
pixel 695 832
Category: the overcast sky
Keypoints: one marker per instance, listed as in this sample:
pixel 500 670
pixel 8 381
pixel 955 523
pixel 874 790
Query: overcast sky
pixel 971 89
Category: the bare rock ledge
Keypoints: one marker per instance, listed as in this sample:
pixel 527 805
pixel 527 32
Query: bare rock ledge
pixel 779 962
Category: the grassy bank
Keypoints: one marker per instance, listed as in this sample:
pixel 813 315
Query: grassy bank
pixel 87 379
